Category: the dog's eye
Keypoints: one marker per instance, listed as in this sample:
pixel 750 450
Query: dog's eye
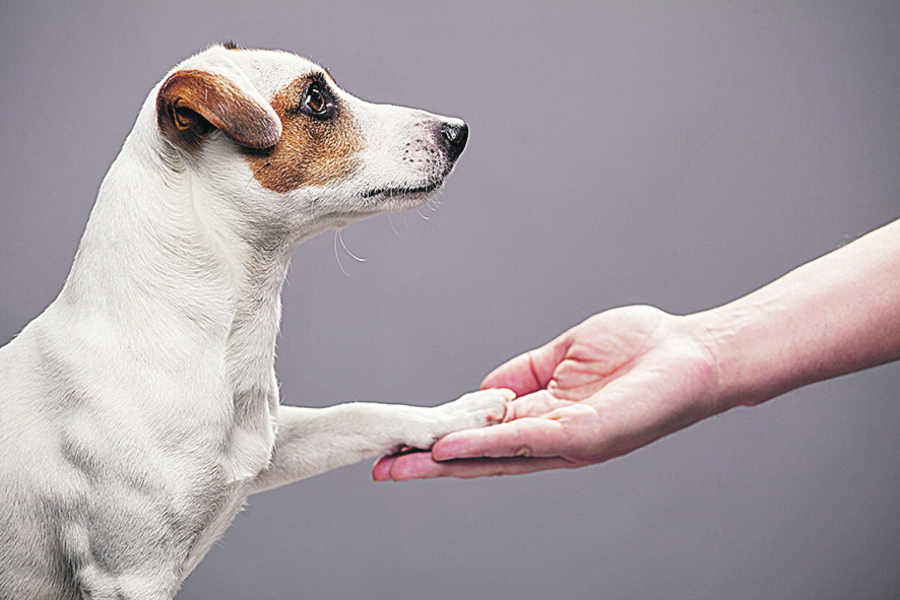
pixel 316 102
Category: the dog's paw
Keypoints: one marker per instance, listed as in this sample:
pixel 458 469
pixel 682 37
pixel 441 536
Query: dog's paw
pixel 479 409
pixel 472 411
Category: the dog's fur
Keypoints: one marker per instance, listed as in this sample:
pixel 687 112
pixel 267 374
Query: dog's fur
pixel 141 408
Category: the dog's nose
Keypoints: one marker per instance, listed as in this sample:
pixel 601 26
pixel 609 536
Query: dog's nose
pixel 454 136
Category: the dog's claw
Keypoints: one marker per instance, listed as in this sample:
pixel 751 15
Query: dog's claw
pixel 497 415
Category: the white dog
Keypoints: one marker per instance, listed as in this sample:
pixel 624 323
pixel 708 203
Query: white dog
pixel 141 408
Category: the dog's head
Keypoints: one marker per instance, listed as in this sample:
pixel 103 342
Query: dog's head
pixel 273 132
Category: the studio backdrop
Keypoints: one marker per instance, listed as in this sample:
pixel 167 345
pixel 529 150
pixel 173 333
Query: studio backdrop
pixel 678 154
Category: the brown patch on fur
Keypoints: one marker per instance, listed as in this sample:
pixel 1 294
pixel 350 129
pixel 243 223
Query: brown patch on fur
pixel 191 103
pixel 311 152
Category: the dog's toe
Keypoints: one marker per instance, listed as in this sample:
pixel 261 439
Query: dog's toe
pixel 484 407
pixel 500 397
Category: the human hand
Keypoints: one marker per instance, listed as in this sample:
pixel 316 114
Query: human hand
pixel 610 385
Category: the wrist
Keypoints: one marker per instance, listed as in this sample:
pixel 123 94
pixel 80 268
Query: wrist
pixel 749 359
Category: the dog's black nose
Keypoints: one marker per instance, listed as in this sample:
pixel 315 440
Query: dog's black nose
pixel 454 136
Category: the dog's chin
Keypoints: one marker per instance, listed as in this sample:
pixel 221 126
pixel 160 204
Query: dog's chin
pixel 403 191
pixel 403 197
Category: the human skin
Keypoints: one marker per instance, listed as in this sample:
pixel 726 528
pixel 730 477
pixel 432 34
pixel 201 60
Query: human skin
pixel 629 376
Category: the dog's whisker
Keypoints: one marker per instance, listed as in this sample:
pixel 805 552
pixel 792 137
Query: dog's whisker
pixel 339 237
pixel 255 174
pixel 391 221
pixel 337 256
pixel 344 246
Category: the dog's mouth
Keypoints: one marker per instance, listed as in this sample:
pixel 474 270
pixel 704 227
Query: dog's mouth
pixel 392 192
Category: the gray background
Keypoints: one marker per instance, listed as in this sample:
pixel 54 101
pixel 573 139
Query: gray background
pixel 677 154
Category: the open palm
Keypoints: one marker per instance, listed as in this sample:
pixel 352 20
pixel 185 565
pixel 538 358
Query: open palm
pixel 612 384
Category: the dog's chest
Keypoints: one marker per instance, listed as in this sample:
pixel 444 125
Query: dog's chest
pixel 250 373
pixel 250 441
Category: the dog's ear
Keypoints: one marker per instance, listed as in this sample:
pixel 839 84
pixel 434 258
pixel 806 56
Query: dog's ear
pixel 191 103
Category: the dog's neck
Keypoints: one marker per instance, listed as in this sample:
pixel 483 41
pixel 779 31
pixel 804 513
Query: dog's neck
pixel 177 259
pixel 186 283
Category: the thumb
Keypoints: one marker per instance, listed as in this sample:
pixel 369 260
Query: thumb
pixel 528 372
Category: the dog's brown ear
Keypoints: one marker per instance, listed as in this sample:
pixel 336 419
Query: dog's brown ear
pixel 191 103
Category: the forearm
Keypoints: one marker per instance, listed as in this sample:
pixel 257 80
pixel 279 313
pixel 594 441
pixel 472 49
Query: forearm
pixel 835 315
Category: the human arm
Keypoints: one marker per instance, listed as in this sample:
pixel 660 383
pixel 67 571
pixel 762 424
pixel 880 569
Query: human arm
pixel 629 376
pixel 835 315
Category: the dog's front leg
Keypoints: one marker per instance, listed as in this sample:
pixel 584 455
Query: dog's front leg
pixel 314 440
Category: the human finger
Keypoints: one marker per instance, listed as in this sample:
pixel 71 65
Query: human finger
pixel 528 436
pixel 420 465
pixel 528 372
pixel 381 470
pixel 536 404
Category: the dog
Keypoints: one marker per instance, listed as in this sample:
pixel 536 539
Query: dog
pixel 141 408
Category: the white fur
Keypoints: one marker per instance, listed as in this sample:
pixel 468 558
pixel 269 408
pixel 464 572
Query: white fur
pixel 139 410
